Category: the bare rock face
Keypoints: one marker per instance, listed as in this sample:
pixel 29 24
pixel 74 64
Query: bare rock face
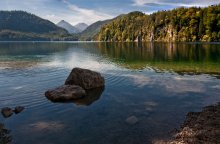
pixel 85 78
pixel 65 93
pixel 7 112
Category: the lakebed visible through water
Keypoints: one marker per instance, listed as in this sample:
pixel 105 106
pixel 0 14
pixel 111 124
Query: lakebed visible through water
pixel 149 89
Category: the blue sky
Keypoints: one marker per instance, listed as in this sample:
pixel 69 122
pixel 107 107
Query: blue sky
pixel 89 11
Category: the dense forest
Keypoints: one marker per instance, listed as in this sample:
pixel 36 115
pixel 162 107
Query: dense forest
pixel 20 25
pixel 181 24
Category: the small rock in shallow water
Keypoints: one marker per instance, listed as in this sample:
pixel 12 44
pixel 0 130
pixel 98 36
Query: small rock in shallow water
pixel 132 120
pixel 18 109
pixel 7 112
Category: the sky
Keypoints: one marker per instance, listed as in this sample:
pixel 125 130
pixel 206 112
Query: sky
pixel 90 11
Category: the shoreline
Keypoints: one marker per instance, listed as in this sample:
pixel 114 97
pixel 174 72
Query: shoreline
pixel 198 127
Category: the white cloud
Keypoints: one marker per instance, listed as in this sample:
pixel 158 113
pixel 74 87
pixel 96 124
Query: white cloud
pixel 56 10
pixel 188 3
pixel 87 15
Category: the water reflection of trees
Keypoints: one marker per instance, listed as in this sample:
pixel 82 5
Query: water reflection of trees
pixel 161 51
pixel 32 48
pixel 179 57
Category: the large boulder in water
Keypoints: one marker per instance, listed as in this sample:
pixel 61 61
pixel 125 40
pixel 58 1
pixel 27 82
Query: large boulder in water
pixel 65 93
pixel 85 78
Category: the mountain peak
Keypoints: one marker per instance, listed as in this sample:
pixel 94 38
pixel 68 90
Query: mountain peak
pixel 81 26
pixel 71 29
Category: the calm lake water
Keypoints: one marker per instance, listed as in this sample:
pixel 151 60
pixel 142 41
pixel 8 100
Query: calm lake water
pixel 158 83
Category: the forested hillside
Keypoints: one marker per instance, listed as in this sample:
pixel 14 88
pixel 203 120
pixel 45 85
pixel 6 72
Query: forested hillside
pixel 181 24
pixel 26 22
pixel 92 30
pixel 20 25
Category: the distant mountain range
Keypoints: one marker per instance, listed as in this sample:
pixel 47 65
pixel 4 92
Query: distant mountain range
pixel 20 25
pixel 81 26
pixel 26 22
pixel 72 29
pixel 92 30
pixel 180 24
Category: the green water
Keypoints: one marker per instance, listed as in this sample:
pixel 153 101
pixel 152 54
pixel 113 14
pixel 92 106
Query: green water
pixel 158 83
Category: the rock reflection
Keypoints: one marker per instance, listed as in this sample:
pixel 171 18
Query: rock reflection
pixel 91 96
pixel 5 137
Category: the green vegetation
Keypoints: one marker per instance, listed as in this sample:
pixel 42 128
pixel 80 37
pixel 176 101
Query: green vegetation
pixel 181 24
pixel 19 25
pixel 92 30
pixel 175 57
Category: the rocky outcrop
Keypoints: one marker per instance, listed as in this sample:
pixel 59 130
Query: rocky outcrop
pixel 85 78
pixel 82 86
pixel 65 93
pixel 199 128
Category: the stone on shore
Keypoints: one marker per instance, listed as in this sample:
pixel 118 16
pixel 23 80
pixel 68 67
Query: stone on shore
pixel 199 128
pixel 65 93
pixel 7 112
pixel 85 78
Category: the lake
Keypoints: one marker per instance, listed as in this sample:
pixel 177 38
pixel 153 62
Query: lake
pixel 157 83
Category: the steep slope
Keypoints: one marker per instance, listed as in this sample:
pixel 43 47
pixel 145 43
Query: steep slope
pixel 71 29
pixel 92 30
pixel 25 22
pixel 20 25
pixel 181 24
pixel 81 26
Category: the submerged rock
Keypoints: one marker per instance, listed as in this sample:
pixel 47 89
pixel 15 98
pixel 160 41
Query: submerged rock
pixel 91 96
pixel 132 120
pixel 85 78
pixel 18 109
pixel 7 112
pixel 65 93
